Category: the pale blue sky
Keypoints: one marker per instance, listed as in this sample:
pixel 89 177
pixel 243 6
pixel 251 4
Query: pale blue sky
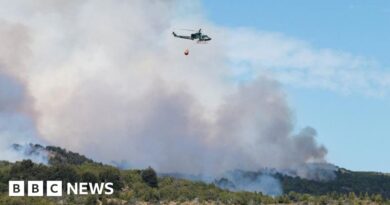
pixel 354 127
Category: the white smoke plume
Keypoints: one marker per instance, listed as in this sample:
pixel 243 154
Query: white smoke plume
pixel 107 79
pixel 238 180
pixel 17 118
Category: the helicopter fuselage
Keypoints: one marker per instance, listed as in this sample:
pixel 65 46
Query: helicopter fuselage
pixel 195 36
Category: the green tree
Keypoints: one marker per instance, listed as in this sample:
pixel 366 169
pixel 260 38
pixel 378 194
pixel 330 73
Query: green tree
pixel 66 173
pixel 113 176
pixel 89 177
pixel 149 176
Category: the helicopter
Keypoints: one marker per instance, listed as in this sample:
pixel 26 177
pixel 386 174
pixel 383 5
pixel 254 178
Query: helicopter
pixel 198 35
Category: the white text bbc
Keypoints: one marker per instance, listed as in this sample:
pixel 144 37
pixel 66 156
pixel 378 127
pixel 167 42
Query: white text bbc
pixel 54 188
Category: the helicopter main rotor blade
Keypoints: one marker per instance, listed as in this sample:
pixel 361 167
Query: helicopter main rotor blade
pixel 184 29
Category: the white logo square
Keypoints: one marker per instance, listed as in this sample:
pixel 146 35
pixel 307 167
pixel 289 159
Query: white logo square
pixel 35 188
pixel 16 188
pixel 54 188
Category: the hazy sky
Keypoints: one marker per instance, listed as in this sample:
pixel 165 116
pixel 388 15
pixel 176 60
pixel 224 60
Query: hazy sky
pixel 353 124
pixel 171 111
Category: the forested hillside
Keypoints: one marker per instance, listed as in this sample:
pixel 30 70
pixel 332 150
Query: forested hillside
pixel 134 186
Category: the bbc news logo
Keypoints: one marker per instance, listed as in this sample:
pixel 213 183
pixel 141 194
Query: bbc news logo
pixel 55 188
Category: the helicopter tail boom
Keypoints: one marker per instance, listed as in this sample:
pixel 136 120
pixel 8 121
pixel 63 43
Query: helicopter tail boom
pixel 179 36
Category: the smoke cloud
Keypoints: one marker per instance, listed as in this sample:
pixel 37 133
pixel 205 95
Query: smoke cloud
pixel 238 180
pixel 17 118
pixel 107 79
